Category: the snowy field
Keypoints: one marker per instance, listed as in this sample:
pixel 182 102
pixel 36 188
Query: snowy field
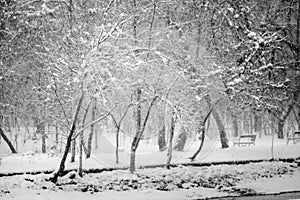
pixel 148 154
pixel 158 183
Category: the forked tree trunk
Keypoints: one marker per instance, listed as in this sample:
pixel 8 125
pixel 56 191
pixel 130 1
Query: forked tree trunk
pixel 117 145
pixel 61 168
pixel 5 138
pixel 118 127
pixel 170 141
pixel 138 136
pixel 223 136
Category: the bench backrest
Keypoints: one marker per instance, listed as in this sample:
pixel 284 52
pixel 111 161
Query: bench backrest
pixel 252 137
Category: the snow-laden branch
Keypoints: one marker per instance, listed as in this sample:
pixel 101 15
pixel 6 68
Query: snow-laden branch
pixel 93 122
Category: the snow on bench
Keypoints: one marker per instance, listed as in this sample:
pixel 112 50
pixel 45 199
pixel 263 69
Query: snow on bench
pixel 244 140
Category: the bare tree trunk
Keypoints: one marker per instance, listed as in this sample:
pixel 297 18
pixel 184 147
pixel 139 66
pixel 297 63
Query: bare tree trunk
pixel 90 138
pixel 81 142
pixel 118 127
pixel 117 145
pixel 235 126
pixel 280 125
pixel 223 137
pixel 44 143
pixel 257 123
pixel 201 131
pixel 298 57
pixel 162 139
pixel 138 130
pixel 181 140
pixel 73 150
pixel 297 117
pixel 96 139
pixel 234 121
pixel 245 122
pixel 61 168
pixel 40 130
pixel 16 130
pixel 281 119
pixel 11 147
pixel 171 134
pixel 27 132
pixel 138 136
pixel 56 134
pixel 80 155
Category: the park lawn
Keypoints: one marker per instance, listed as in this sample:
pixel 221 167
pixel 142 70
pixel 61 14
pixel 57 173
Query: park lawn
pixel 157 183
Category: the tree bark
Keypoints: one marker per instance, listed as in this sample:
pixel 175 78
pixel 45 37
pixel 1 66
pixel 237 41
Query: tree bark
pixel 90 138
pixel 118 128
pixel 297 116
pixel 181 140
pixel 234 121
pixel 280 125
pixel 41 130
pixel 96 139
pixel 223 137
pixel 257 123
pixel 138 136
pixel 170 141
pixel 201 131
pixel 44 143
pixel 138 129
pixel 81 142
pixel 56 134
pixel 235 126
pixel 80 155
pixel 73 150
pixel 162 139
pixel 282 117
pixel 61 168
pixel 5 138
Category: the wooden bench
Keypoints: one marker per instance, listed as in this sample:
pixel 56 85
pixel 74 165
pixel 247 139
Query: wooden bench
pixel 245 140
pixel 295 137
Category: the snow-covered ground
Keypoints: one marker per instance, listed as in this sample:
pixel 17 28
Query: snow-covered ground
pixel 149 155
pixel 157 183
